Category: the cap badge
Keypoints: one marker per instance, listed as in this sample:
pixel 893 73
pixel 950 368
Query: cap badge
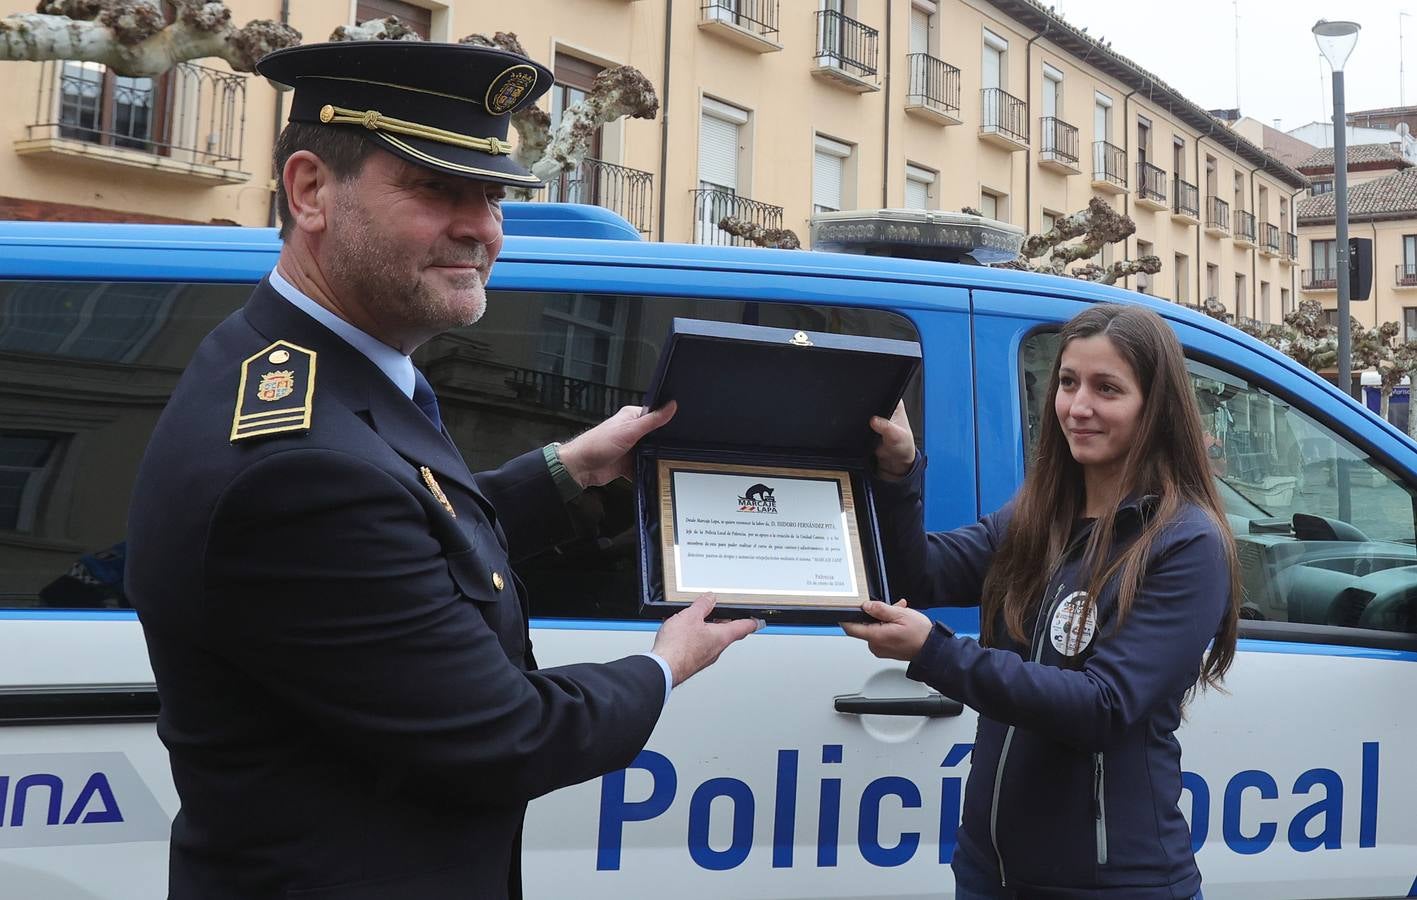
pixel 275 386
pixel 508 89
pixel 436 489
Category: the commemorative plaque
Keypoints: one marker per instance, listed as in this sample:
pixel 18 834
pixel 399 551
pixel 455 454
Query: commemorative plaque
pixel 758 489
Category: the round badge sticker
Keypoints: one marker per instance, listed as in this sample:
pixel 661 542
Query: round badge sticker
pixel 1071 633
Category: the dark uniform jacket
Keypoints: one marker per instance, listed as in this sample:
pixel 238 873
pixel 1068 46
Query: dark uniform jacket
pixel 1076 770
pixel 348 693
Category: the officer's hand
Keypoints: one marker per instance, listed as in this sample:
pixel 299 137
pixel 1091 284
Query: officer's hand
pixel 689 643
pixel 898 632
pixel 602 454
pixel 896 452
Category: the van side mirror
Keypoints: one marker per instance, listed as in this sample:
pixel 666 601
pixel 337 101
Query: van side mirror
pixel 1360 268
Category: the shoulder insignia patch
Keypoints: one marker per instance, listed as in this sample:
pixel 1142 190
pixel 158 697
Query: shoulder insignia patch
pixel 276 392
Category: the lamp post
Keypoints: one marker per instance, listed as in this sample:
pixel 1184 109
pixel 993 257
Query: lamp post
pixel 1336 41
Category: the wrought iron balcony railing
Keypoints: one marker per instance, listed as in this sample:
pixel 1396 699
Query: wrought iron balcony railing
pixel 1291 245
pixel 1407 275
pixel 571 395
pixel 1217 213
pixel 757 16
pixel 1188 198
pixel 191 113
pixel 1271 238
pixel 1109 163
pixel 1244 226
pixel 1005 114
pixel 933 83
pixel 1060 141
pixel 713 205
pixel 1151 182
pixel 846 44
pixel 1319 279
pixel 618 188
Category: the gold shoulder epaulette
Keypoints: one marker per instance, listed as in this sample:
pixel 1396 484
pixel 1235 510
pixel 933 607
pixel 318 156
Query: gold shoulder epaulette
pixel 276 392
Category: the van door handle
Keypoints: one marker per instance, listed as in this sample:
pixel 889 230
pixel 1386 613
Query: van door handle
pixel 935 706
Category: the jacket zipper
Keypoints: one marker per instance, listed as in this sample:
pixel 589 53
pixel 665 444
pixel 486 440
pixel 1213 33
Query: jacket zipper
pixel 1099 801
pixel 1009 738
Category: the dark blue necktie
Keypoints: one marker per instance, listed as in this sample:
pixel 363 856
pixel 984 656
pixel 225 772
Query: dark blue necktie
pixel 424 399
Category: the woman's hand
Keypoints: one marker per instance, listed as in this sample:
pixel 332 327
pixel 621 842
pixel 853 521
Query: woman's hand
pixel 896 452
pixel 898 632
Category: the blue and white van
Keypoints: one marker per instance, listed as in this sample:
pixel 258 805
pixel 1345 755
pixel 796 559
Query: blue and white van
pixel 772 774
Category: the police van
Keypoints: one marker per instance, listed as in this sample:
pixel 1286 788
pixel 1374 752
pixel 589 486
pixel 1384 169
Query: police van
pixel 799 766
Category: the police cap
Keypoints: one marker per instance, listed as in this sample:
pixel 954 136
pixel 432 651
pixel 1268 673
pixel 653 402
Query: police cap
pixel 443 106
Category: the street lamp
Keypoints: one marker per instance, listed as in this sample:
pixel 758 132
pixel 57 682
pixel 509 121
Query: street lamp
pixel 1336 41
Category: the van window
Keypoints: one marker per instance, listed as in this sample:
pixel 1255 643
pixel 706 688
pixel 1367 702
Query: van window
pixel 540 367
pixel 1326 535
pixel 86 368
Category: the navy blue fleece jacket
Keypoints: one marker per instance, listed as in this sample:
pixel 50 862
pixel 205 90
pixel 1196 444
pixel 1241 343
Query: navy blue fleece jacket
pixel 1076 771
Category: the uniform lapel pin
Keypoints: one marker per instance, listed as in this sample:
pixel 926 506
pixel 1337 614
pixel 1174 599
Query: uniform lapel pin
pixel 437 489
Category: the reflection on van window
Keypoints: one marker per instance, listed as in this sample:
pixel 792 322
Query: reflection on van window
pixel 1326 535
pixel 86 367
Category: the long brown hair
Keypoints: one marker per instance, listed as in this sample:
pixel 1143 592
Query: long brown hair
pixel 1167 460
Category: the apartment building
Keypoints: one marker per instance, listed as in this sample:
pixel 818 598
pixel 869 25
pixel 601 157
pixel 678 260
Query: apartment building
pixel 1382 206
pixel 770 111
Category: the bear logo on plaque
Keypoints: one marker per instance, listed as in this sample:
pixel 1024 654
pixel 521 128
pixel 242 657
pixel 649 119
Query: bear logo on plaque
pixel 757 499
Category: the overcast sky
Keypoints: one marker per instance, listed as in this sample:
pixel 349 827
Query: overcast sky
pixel 1191 44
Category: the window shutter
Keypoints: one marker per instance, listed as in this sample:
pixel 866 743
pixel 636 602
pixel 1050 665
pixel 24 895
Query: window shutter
pixel 718 152
pixel 919 31
pixel 916 194
pixel 826 179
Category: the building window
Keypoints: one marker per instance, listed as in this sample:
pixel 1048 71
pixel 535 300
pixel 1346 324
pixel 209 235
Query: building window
pixel 1178 158
pixel 1211 167
pixel 574 79
pixel 1264 301
pixel 1143 279
pixel 1409 323
pixel 919 183
pixel 1242 299
pixel 1331 317
pixel 1283 216
pixel 994 206
pixel 720 142
pixel 996 71
pixel 417 18
pixel 1286 303
pixel 1101 117
pixel 1408 275
pixel 26 458
pixel 99 107
pixel 1183 273
pixel 1143 140
pixel 580 337
pixel 1212 281
pixel 1050 221
pixel 1324 258
pixel 1052 93
pixel 1321 187
pixel 1240 204
pixel 922 19
pixel 829 159
pixel 106 320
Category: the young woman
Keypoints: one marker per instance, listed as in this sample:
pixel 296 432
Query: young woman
pixel 1100 585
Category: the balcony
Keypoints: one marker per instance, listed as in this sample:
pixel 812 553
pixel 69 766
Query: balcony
pixel 1004 119
pixel 1291 249
pixel 189 122
pixel 751 24
pixel 1319 280
pixel 556 392
pixel 1406 275
pixel 1151 186
pixel 1244 228
pixel 934 89
pixel 1187 202
pixel 1269 243
pixel 1217 217
pixel 1060 146
pixel 846 52
pixel 1109 168
pixel 620 189
pixel 713 205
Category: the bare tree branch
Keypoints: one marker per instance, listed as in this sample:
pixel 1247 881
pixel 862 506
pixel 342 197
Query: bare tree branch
pixel 780 238
pixel 133 38
pixel 1122 268
pixel 385 29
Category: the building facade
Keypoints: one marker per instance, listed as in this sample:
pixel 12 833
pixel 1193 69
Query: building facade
pixel 770 111
pixel 1382 207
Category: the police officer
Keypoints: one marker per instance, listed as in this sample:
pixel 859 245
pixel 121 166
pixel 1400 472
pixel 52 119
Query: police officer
pixel 349 697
